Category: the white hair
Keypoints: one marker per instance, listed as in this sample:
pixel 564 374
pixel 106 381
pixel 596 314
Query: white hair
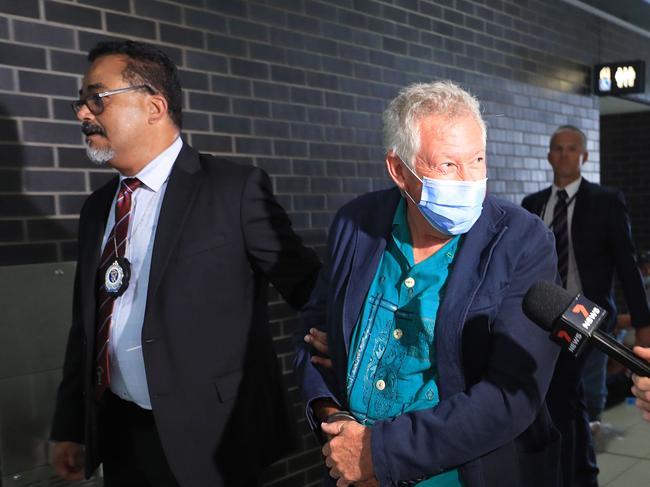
pixel 99 155
pixel 419 100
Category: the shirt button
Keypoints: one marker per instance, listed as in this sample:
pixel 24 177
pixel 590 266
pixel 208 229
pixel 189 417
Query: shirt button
pixel 397 333
pixel 409 282
pixel 380 384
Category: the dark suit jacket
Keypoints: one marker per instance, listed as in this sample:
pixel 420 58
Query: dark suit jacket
pixel 494 365
pixel 602 243
pixel 215 386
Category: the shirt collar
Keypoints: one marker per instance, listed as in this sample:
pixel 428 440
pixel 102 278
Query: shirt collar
pixel 571 188
pixel 401 235
pixel 400 214
pixel 154 174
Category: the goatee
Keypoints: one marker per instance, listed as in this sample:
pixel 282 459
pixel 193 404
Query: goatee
pixel 99 155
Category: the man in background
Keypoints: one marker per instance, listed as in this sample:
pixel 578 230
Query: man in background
pixel 593 239
pixel 170 377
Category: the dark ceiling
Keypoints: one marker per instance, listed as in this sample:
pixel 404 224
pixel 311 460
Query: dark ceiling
pixel 636 12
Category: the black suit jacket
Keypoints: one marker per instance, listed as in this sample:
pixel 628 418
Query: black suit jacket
pixel 602 243
pixel 215 386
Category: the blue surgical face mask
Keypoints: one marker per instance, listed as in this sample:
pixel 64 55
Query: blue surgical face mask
pixel 646 281
pixel 450 207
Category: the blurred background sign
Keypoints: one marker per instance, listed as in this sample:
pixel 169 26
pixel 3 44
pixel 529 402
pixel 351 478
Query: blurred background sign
pixel 619 78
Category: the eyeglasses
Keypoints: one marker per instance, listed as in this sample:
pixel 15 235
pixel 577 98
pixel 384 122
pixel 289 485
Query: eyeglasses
pixel 95 102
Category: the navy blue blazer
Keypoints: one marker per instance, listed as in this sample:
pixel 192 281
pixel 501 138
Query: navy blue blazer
pixel 602 243
pixel 213 377
pixel 494 364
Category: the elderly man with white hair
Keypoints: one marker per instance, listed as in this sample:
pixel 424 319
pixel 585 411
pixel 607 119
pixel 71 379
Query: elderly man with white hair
pixel 419 366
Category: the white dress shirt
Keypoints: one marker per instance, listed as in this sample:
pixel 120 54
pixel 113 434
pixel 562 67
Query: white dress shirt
pixel 573 277
pixel 128 378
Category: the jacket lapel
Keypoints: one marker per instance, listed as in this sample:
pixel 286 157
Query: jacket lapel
pixel 375 227
pixel 467 274
pixel 539 205
pixel 178 199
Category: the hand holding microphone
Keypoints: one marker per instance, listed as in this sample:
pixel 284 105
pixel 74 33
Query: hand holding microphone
pixel 573 322
pixel 641 388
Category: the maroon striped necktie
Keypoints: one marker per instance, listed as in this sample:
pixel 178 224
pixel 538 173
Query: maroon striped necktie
pixel 114 248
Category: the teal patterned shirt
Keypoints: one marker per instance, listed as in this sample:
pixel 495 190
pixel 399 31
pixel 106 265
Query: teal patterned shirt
pixel 392 365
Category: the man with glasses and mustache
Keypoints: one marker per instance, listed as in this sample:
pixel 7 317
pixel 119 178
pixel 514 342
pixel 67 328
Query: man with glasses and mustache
pixel 170 377
pixel 95 104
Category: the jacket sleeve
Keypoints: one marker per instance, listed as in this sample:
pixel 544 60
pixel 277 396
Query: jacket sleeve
pixel 507 398
pixel 620 241
pixel 316 382
pixel 273 246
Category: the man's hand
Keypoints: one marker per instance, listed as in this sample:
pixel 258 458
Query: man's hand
pixel 318 340
pixel 68 460
pixel 324 407
pixel 642 336
pixel 347 454
pixel 641 387
pixel 373 482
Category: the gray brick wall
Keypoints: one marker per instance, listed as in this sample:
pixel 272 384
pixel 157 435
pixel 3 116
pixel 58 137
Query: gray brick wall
pixel 296 87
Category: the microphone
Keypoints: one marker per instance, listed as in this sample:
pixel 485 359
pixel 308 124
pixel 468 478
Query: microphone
pixel 573 322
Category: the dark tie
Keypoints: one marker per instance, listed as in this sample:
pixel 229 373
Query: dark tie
pixel 114 248
pixel 561 231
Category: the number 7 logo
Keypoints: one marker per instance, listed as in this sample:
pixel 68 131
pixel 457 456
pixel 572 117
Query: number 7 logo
pixel 564 335
pixel 580 309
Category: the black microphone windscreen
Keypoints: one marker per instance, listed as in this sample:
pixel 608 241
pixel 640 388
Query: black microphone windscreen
pixel 545 302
